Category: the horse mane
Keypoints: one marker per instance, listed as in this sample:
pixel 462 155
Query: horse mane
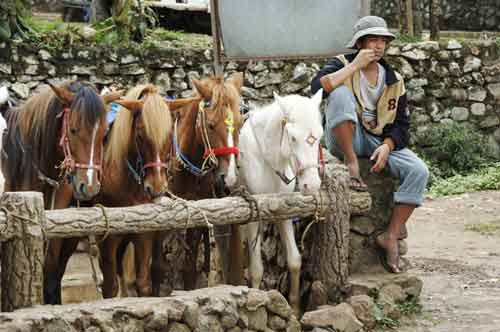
pixel 33 131
pixel 157 125
pixel 222 94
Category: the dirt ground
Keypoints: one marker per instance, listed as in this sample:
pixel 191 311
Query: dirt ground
pixel 460 267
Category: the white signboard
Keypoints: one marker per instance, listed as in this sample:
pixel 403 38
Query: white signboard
pixel 251 29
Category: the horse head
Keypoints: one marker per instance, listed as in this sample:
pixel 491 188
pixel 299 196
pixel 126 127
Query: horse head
pixel 150 139
pixel 81 136
pixel 300 138
pixel 218 125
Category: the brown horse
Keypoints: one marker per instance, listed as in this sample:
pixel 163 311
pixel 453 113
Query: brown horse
pixel 54 145
pixel 135 172
pixel 205 140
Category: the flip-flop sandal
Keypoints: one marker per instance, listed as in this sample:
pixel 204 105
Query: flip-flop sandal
pixel 356 183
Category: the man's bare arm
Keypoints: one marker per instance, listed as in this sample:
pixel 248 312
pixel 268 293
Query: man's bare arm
pixel 331 81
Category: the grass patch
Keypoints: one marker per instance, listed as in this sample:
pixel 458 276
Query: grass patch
pixel 43 25
pixel 404 38
pixel 488 228
pixel 410 307
pixel 486 178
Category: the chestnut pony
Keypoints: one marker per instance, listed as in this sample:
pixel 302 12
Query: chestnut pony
pixel 205 138
pixel 205 144
pixel 54 145
pixel 135 172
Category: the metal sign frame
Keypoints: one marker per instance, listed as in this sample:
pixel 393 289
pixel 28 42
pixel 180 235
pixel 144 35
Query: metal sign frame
pixel 218 41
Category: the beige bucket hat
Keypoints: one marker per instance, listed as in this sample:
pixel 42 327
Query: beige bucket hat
pixel 369 25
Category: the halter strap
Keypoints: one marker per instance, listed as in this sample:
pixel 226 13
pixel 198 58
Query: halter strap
pixel 69 165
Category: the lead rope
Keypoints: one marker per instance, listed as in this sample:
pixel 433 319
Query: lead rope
pixel 94 248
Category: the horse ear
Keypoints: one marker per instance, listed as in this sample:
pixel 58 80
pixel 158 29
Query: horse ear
pixel 237 80
pixel 112 96
pixel 202 89
pixel 176 104
pixel 281 103
pixel 63 94
pixel 318 96
pixel 132 105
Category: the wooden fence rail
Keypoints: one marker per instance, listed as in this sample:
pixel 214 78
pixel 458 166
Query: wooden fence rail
pixel 24 225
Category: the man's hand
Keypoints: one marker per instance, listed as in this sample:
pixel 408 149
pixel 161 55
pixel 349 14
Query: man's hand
pixel 364 58
pixel 380 156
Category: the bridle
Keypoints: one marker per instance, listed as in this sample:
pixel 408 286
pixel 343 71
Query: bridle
pixel 68 166
pixel 297 169
pixel 210 154
pixel 139 171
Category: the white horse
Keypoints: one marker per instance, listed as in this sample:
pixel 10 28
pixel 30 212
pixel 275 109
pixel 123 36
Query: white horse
pixel 4 98
pixel 279 146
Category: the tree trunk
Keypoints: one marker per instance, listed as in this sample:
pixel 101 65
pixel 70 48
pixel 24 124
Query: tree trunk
pixel 22 256
pixel 409 18
pixel 418 17
pixel 435 13
pixel 399 15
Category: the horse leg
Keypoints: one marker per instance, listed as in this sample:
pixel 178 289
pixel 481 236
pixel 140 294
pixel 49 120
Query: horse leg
pixel 294 262
pixel 157 271
pixel 236 256
pixel 51 281
pixel 52 268
pixel 126 268
pixel 193 237
pixel 108 263
pixel 143 245
pixel 255 267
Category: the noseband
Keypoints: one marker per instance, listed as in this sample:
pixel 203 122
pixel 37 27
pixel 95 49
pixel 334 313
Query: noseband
pixel 139 171
pixel 68 166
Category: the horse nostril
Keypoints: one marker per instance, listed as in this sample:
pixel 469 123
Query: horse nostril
pixel 82 188
pixel 149 189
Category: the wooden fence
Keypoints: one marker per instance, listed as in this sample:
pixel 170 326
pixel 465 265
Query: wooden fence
pixel 25 225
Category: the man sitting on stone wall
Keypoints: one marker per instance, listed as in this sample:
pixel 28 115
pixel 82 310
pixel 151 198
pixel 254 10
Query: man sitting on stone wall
pixel 367 116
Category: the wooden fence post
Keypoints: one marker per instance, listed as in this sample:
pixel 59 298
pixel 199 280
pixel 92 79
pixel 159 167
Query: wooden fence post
pixel 331 238
pixel 23 255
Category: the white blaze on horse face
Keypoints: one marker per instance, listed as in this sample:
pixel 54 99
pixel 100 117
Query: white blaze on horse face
pixel 231 177
pixel 90 170
pixel 158 168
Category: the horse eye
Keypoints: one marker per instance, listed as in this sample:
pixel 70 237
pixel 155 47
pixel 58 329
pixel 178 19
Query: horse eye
pixel 211 125
pixel 73 130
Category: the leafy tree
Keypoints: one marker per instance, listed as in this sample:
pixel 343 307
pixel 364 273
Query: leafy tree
pixel 12 23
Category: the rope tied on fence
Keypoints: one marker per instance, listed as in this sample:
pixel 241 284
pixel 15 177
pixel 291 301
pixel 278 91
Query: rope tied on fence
pixel 186 204
pixel 253 205
pixel 318 207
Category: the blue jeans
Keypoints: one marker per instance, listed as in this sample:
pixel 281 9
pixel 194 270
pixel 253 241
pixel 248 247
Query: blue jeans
pixel 403 164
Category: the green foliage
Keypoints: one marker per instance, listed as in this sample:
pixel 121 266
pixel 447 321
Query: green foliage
pixel 404 38
pixel 485 178
pixel 455 149
pixel 485 228
pixel 44 25
pixel 410 306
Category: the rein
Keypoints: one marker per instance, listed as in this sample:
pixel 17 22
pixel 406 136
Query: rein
pixel 69 165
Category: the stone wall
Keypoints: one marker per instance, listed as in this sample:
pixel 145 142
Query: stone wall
pixel 221 308
pixel 468 15
pixel 446 82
